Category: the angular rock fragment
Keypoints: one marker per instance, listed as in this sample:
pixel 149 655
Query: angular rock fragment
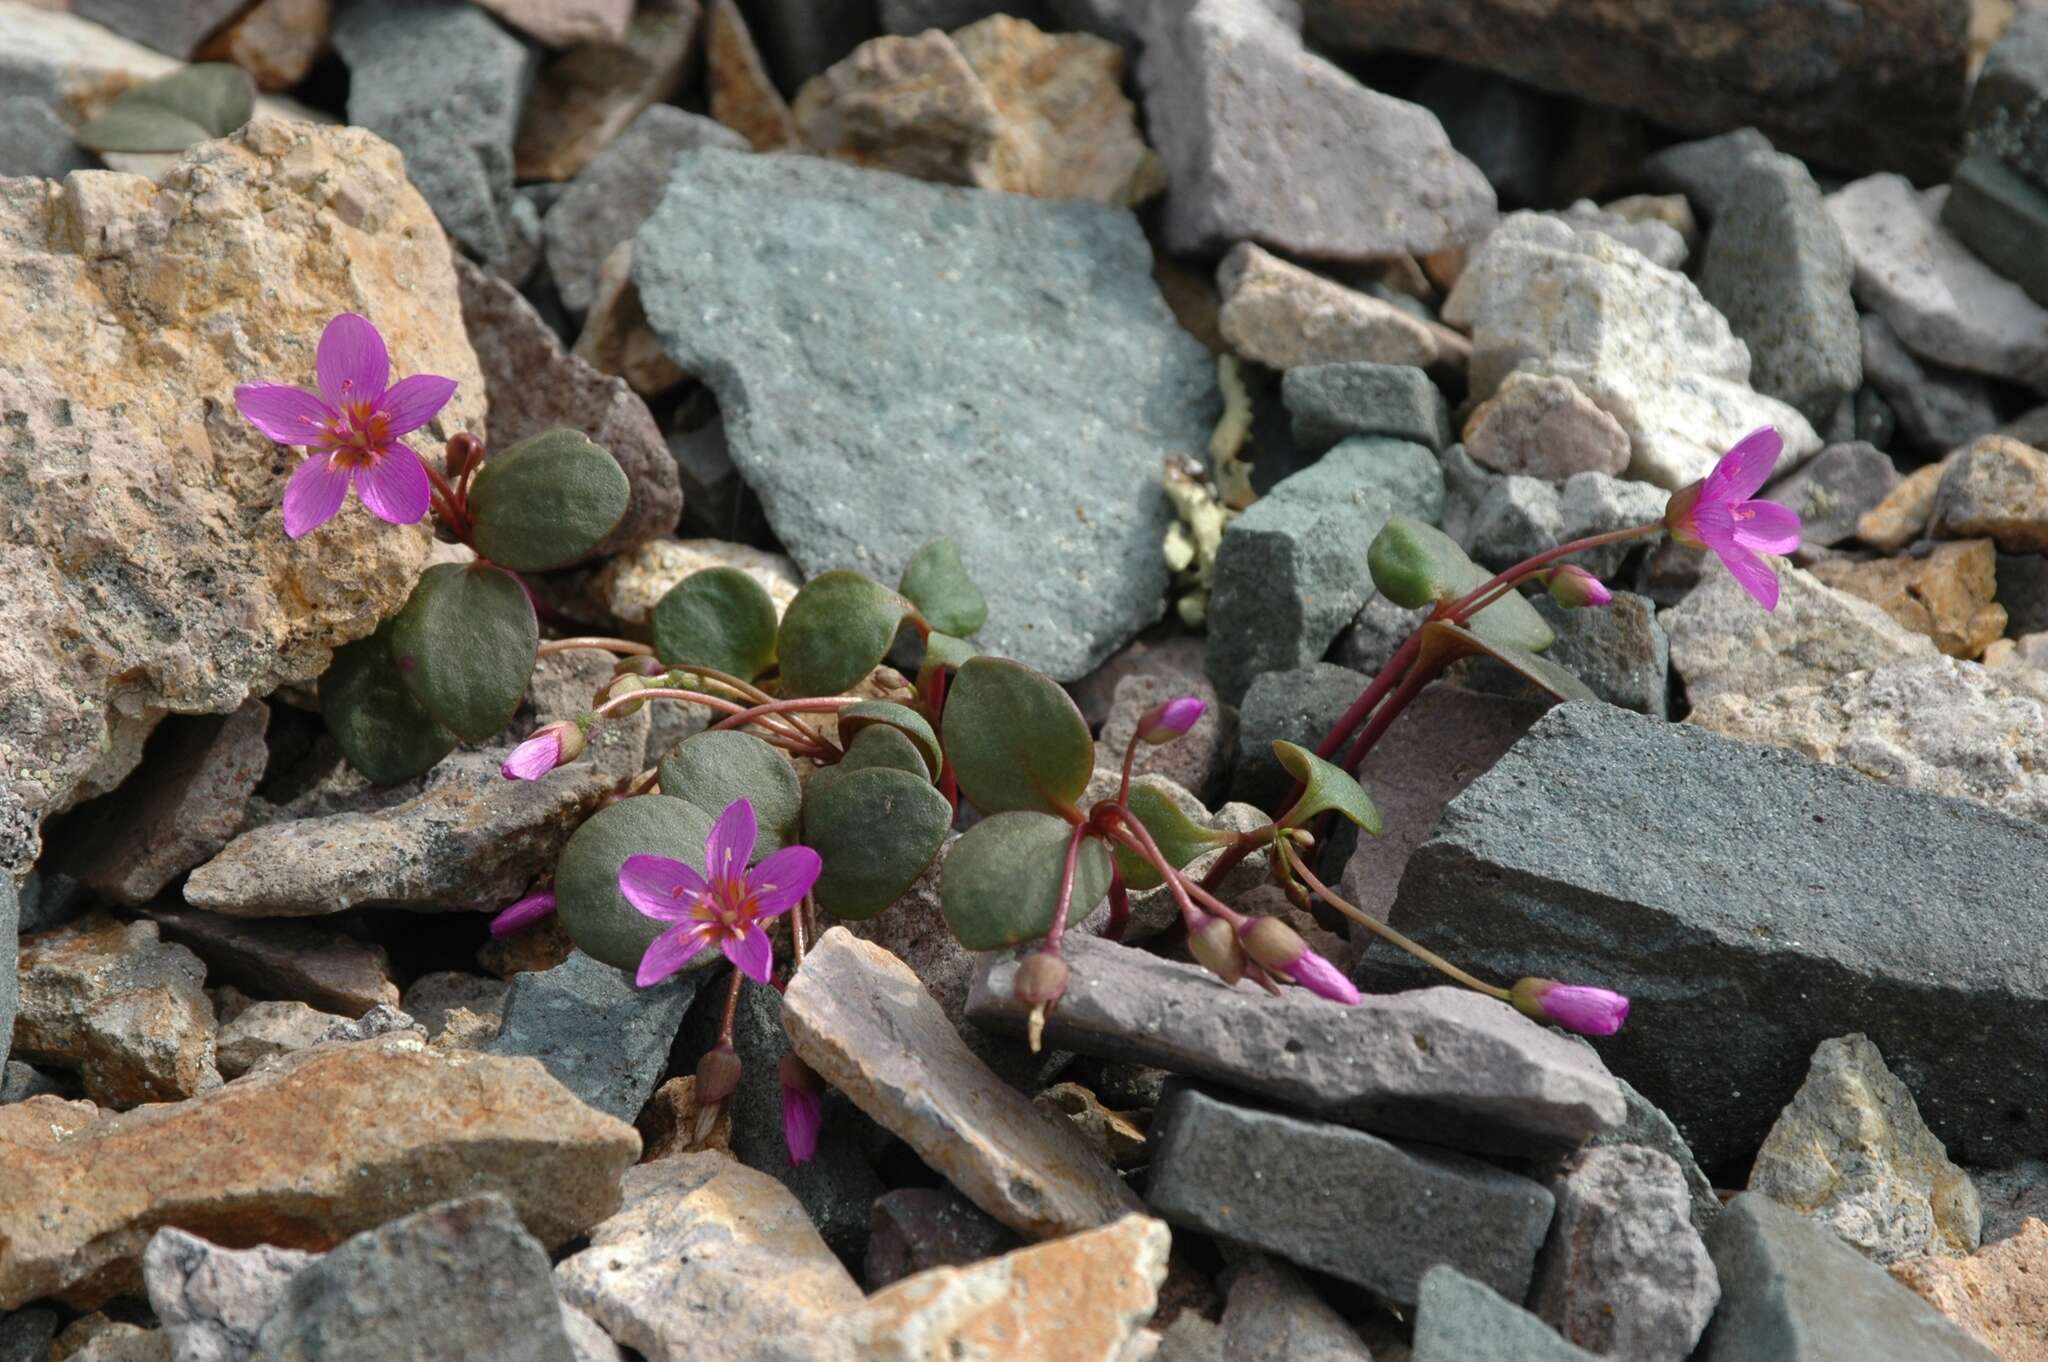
pixel 1330 403
pixel 601 1038
pixel 330 970
pixel 265 1030
pixel 742 95
pixel 1285 317
pixel 1996 1296
pixel 1945 592
pixel 1459 1320
pixel 585 98
pixel 214 1300
pixel 1834 490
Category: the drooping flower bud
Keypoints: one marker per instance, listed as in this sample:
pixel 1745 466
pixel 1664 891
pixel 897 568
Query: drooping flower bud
pixel 558 744
pixel 1214 943
pixel 519 916
pixel 803 1108
pixel 1576 1007
pixel 1574 588
pixel 1281 950
pixel 1040 981
pixel 622 686
pixel 1170 719
pixel 718 1075
pixel 463 452
pixel 640 664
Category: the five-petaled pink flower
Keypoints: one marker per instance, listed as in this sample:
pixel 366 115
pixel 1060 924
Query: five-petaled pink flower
pixel 1717 513
pixel 352 426
pixel 725 906
pixel 1576 1007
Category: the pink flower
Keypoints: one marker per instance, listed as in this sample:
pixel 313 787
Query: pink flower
pixel 558 744
pixel 1164 722
pixel 1281 950
pixel 803 1108
pixel 1575 1007
pixel 523 914
pixel 1575 588
pixel 725 908
pixel 352 426
pixel 1716 513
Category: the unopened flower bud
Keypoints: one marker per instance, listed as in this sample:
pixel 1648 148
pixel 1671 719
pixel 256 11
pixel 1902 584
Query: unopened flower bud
pixel 519 916
pixel 718 1075
pixel 1575 588
pixel 463 452
pixel 640 664
pixel 1172 719
pixel 803 1108
pixel 558 744
pixel 1281 950
pixel 1040 981
pixel 622 686
pixel 1215 945
pixel 1576 1007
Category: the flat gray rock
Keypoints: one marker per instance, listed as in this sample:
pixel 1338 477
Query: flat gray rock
pixel 1650 1128
pixel 1459 1320
pixel 1338 1200
pixel 1298 706
pixel 34 141
pixel 1440 1064
pixel 2008 113
pixel 1792 1292
pixel 602 1038
pixel 2000 215
pixel 993 367
pixel 213 1300
pixel 1273 1315
pixel 1751 903
pixel 173 27
pixel 1329 403
pixel 1937 408
pixel 1705 170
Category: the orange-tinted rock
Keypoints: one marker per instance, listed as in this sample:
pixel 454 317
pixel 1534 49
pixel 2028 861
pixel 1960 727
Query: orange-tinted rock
pixel 1946 594
pixel 1998 1295
pixel 276 41
pixel 584 98
pixel 742 96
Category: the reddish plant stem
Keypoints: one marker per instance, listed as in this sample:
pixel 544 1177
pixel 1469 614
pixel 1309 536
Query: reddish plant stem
pixel 734 712
pixel 1058 932
pixel 732 1007
pixel 1418 677
pixel 935 701
pixel 618 646
pixel 1485 594
pixel 1119 905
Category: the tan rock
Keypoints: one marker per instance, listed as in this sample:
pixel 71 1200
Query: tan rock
pixel 329 970
pixel 673 1123
pixel 1079 1299
pixel 706 1258
pixel 320 1146
pixel 275 41
pixel 126 1010
pixel 1543 426
pixel 1283 315
pixel 632 584
pixel 1673 210
pixel 1946 594
pixel 742 95
pixel 1997 487
pixel 266 1030
pixel 861 1018
pixel 1113 1133
pixel 1903 515
pixel 1999 1296
pixel 566 23
pixel 96 1338
pixel 908 104
pixel 146 560
pixel 584 98
pixel 616 338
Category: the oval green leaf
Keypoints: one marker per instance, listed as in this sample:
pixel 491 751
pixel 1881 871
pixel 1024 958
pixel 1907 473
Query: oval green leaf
pixel 1448 641
pixel 383 731
pixel 936 582
pixel 1414 564
pixel 547 501
pixel 943 652
pixel 599 920
pixel 192 105
pixel 1001 882
pixel 713 769
pixel 1015 738
pixel 465 644
pixel 1180 838
pixel 876 830
pixel 879 745
pixel 835 632
pixel 1326 788
pixel 719 618
pixel 857 718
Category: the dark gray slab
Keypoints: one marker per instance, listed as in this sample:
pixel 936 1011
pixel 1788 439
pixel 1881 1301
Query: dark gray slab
pixel 1333 402
pixel 602 1038
pixel 1461 1321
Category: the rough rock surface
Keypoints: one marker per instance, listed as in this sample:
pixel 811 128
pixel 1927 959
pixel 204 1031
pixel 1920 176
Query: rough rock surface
pixel 1273 1315
pixel 602 1038
pixel 276 41
pixel 176 29
pixel 858 1016
pixel 302 1155
pixel 10 990
pixel 264 1030
pixel 1945 592
pixel 213 1300
pixel 1194 761
pixel 328 969
pixel 1936 408
pixel 1102 385
pixel 1902 516
pixel 632 584
pixel 916 1229
pixel 566 23
pixel 1998 487
pixel 911 105
pixel 1851 1152
pixel 743 95
pixel 1998 1296
pixel 1285 317
pixel 585 98
pixel 35 141
pixel 1330 403
pixel 130 456
pixel 1460 1320
pixel 1543 426
pixel 1834 490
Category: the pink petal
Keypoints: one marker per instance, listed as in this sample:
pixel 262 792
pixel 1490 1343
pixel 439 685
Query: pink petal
pixel 394 486
pixel 802 1115
pixel 650 883
pixel 351 362
pixel 411 402
pixel 1316 974
pixel 672 950
pixel 523 914
pixel 1746 467
pixel 731 844
pixel 533 758
pixel 752 955
pixel 1588 1011
pixel 1758 577
pixel 1714 523
pixel 782 879
pixel 314 494
pixel 1766 527
pixel 287 415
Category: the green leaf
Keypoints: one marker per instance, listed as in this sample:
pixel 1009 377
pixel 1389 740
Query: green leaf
pixel 879 745
pixel 192 105
pixel 1180 838
pixel 937 583
pixel 600 921
pixel 383 731
pixel 1326 787
pixel 719 618
pixel 547 501
pixel 1001 881
pixel 466 643
pixel 1442 640
pixel 857 718
pixel 835 632
pixel 1016 739
pixel 1414 564
pixel 876 830
pixel 713 769
pixel 943 651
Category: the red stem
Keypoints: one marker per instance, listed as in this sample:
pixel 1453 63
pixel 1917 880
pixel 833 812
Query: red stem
pixel 1487 592
pixel 1059 914
pixel 1417 678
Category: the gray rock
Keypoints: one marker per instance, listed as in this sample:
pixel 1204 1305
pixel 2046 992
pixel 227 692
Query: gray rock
pixel 1792 1292
pixel 609 198
pixel 25 1334
pixel 1776 267
pixel 1650 1128
pixel 2008 112
pixel 10 997
pixel 1593 503
pixel 715 499
pixel 2000 215
pixel 1195 761
pixel 1338 1200
pixel 800 39
pixel 1518 517
pixel 1624 1273
pixel 1834 489
pixel 916 1229
pixel 1291 571
pixel 444 84
pixel 1299 706
pixel 1851 1152
pixel 1466 483
pixel 1730 857
pixel 2023 591
pixel 1545 427
pixel 1263 140
pixel 1101 380
pixel 34 141
pixel 459 1279
pixel 174 27
pixel 330 970
pixel 1333 402
pixel 1706 171
pixel 2011 1196
pixel 19 1082
pixel 381 1020
pixel 1654 239
pixel 602 1038
pixel 1386 1064
pixel 584 98
pixel 1504 128
pixel 213 1300
pixel 1459 1320
pixel 1376 633
pixel 265 1030
pixel 1619 650
pixel 1996 487
pixel 1271 1314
